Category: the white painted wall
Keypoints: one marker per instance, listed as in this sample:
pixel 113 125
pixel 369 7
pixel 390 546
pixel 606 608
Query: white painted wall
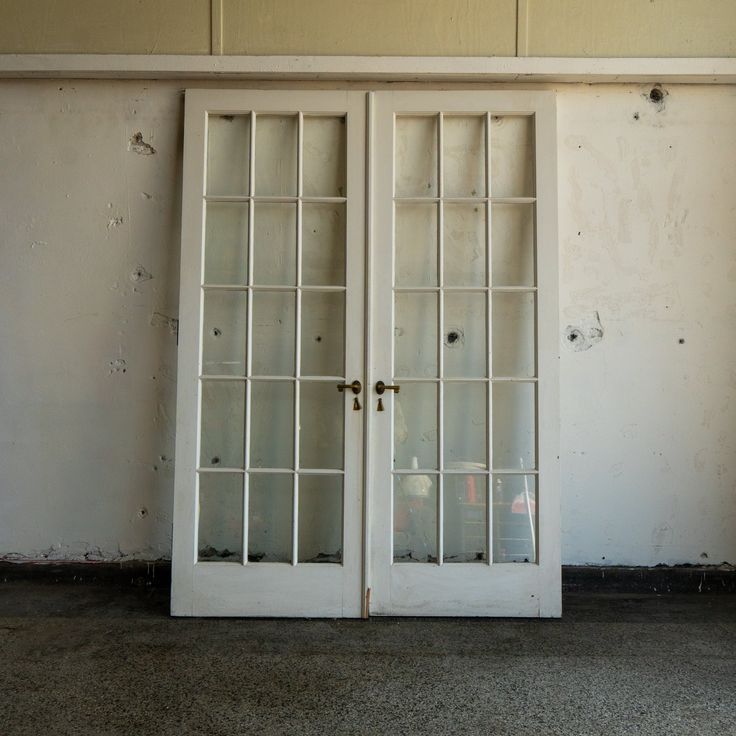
pixel 88 359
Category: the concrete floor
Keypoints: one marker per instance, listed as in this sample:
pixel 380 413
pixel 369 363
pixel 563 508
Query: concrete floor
pixel 99 660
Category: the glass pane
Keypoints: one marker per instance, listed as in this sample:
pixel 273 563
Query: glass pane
pixel 465 518
pixel 512 156
pixel 223 333
pixel 276 155
pixel 416 244
pixel 464 163
pixel 225 251
pixel 220 532
pixel 323 244
pixel 321 418
pixel 273 333
pixel 272 424
pixel 513 426
pixel 415 518
pixel 228 155
pixel 512 241
pixel 223 424
pixel 323 333
pixel 465 335
pixel 465 436
pixel 416 156
pixel 324 157
pixel 415 426
pixel 415 335
pixel 270 513
pixel 274 235
pixel 514 518
pixel 320 518
pixel 465 244
pixel 513 334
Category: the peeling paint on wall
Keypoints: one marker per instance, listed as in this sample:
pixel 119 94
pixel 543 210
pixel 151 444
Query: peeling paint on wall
pixel 139 146
pixel 139 275
pixel 162 320
pixel 585 334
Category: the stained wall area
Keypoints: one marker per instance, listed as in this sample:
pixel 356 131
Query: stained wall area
pixel 89 302
pixel 380 27
pixel 90 181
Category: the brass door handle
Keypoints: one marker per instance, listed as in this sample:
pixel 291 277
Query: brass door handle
pixel 356 386
pixel 381 387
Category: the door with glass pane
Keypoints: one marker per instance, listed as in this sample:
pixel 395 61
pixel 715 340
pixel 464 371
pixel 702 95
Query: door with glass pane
pixel 464 474
pixel 268 502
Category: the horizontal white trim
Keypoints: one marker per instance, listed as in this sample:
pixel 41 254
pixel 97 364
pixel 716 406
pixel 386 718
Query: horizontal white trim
pixel 369 68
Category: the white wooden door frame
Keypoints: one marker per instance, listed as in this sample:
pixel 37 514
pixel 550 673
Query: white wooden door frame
pixel 436 589
pixel 263 589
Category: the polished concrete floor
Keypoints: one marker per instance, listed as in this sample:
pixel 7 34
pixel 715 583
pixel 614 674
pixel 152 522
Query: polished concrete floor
pixel 101 660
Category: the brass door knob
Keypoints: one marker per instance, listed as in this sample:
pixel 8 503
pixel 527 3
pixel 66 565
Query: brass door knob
pixel 381 387
pixel 356 386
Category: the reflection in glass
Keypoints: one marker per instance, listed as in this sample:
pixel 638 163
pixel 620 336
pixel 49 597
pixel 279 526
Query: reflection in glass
pixel 415 335
pixel 415 518
pixel 465 434
pixel 323 244
pixel 269 517
pixel 323 333
pixel 321 417
pixel 464 163
pixel 226 235
pixel 465 336
pixel 465 520
pixel 320 518
pixel 274 244
pixel 416 244
pixel 465 244
pixel 272 424
pixel 228 155
pixel 222 424
pixel 513 334
pixel 223 333
pixel 512 156
pixel 276 155
pixel 324 156
pixel 512 236
pixel 416 156
pixel 220 530
pixel 273 333
pixel 514 518
pixel 513 426
pixel 415 426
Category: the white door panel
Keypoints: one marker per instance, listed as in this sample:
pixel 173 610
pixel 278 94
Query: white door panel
pixel 464 495
pixel 268 508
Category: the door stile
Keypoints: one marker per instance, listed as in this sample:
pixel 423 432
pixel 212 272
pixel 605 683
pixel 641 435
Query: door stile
pixel 435 587
pixel 368 356
pixel 548 359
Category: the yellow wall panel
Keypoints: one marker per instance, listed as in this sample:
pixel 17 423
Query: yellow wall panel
pixel 628 28
pixel 105 26
pixel 371 27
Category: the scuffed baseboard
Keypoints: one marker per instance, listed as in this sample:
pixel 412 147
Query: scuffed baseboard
pixel 575 578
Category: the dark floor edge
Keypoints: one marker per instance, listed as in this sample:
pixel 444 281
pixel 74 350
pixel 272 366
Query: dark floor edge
pixel 659 579
pixel 575 578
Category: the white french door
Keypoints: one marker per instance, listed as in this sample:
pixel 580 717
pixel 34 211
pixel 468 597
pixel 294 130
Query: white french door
pixel 268 497
pixel 464 490
pixel 380 440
